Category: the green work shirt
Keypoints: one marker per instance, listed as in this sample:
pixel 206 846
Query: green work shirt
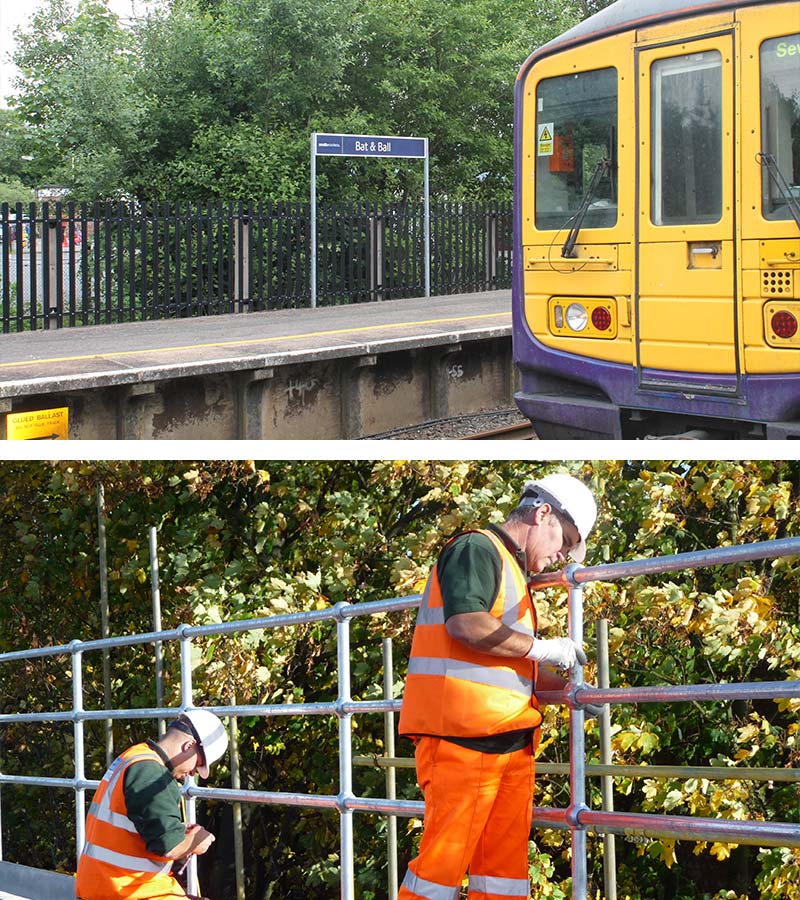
pixel 153 802
pixel 469 571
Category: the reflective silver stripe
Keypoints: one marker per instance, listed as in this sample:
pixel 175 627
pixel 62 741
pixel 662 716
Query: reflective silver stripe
pixel 102 809
pixel 522 629
pixel 123 861
pixel 428 616
pixel 510 615
pixel 429 889
pixel 506 887
pixel 464 671
pixel 103 814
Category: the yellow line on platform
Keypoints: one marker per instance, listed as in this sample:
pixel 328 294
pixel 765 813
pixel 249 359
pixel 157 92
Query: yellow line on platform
pixel 261 340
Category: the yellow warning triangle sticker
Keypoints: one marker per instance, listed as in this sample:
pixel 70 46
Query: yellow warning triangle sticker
pixel 545 135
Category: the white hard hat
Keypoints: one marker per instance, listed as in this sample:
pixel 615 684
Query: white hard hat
pixel 569 497
pixel 208 731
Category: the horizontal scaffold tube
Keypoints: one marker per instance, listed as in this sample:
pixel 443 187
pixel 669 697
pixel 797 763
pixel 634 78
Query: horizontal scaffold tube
pixel 689 828
pixel 717 556
pixel 671 693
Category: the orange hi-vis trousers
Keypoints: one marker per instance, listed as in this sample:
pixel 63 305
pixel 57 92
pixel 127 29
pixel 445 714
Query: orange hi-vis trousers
pixel 478 810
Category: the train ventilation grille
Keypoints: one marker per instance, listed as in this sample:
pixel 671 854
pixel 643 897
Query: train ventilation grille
pixel 777 284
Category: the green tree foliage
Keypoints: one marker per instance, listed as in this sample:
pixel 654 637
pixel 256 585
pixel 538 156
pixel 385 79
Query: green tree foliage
pixel 253 539
pixel 78 99
pixel 217 99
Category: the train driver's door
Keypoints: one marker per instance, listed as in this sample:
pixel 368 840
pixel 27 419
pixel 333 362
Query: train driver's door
pixel 686 309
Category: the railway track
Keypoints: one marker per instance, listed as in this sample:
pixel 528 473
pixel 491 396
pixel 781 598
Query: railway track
pixel 521 432
pixel 494 425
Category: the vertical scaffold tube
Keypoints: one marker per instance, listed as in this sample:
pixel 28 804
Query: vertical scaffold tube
pixel 391 789
pixel 577 760
pixel 186 701
pixel 607 781
pixel 345 758
pixel 159 653
pixel 105 632
pixel 77 727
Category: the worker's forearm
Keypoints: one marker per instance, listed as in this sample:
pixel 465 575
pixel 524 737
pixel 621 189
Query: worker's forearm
pixel 180 850
pixel 196 836
pixel 482 631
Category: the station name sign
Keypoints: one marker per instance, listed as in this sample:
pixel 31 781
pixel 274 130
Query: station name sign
pixel 370 145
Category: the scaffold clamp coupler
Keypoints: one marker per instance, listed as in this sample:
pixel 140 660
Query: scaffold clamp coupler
pixel 573 815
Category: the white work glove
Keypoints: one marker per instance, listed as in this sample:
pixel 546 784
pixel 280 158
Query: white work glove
pixel 562 653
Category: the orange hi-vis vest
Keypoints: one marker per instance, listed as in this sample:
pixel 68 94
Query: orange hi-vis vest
pixel 454 691
pixel 115 862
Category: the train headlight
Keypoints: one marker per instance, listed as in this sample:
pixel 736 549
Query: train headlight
pixel 784 324
pixel 583 317
pixel 577 317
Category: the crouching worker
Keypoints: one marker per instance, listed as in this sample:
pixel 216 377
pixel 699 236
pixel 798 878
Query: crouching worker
pixel 135 829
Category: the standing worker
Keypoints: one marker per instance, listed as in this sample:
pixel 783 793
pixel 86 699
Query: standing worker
pixel 470 703
pixel 135 829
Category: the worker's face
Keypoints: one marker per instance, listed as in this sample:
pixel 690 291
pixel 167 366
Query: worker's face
pixel 550 539
pixel 188 761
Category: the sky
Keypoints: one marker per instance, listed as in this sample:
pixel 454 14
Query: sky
pixel 14 13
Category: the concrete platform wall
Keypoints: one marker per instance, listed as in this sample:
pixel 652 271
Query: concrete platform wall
pixel 341 396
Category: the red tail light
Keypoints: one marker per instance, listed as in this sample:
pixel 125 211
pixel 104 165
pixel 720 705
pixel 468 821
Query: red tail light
pixel 601 318
pixel 784 324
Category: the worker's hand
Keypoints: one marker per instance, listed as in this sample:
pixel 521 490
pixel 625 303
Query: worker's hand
pixel 562 653
pixel 201 839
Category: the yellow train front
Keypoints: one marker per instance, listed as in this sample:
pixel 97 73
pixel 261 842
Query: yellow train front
pixel 656 281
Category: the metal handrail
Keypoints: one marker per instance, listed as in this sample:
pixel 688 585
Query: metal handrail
pixel 577 817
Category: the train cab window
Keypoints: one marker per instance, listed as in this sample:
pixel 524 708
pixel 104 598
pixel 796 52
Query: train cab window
pixel 780 124
pixel 686 139
pixel 576 129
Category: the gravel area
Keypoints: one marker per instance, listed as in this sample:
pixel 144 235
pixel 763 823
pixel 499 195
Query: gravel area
pixel 454 427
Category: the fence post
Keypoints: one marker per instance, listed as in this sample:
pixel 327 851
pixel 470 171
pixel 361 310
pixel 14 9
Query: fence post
pixel 491 249
pixel 241 255
pixel 377 236
pixel 50 256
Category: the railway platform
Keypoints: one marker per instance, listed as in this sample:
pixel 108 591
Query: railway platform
pixel 25 883
pixel 325 373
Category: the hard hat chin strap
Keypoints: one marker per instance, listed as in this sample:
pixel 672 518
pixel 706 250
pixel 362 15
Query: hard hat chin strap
pixel 185 724
pixel 538 497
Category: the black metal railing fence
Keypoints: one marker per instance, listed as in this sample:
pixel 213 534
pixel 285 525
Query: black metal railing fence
pixel 68 264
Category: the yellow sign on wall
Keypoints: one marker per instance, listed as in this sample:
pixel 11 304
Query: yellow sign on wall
pixel 38 425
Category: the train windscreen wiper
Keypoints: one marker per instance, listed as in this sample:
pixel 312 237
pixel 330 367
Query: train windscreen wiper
pixel 769 162
pixel 602 168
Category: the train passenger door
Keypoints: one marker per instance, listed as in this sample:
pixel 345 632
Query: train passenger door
pixel 685 294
